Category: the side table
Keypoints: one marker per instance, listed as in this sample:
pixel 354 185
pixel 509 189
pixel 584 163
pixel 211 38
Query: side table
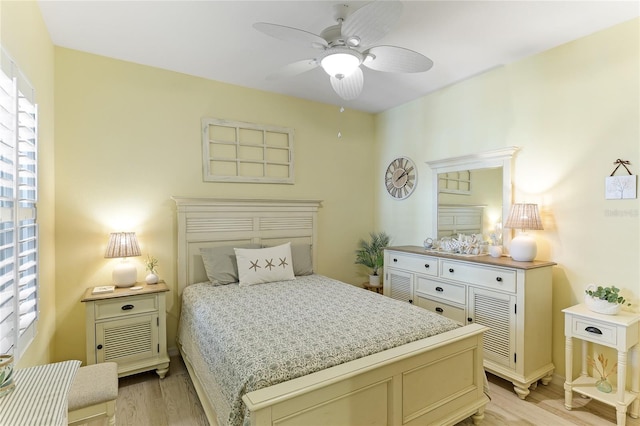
pixel 376 288
pixel 620 332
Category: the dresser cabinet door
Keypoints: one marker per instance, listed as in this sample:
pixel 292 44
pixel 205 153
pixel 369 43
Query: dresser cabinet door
pixel 400 285
pixel 497 311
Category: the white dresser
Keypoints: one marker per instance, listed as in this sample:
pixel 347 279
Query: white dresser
pixel 512 298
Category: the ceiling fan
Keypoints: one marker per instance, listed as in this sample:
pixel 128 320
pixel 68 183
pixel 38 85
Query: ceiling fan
pixel 348 44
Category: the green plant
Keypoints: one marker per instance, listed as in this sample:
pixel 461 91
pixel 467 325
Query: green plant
pixel 610 294
pixel 151 263
pixel 371 253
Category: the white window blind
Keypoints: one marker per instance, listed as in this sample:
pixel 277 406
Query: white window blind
pixel 18 197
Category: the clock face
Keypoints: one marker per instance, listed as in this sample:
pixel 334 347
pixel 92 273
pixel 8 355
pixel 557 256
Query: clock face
pixel 400 178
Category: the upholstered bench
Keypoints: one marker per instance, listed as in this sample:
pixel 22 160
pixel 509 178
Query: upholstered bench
pixel 93 393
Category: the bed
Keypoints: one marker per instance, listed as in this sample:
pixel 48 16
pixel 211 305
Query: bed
pixel 395 377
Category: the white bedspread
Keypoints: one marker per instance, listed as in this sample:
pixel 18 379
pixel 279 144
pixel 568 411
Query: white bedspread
pixel 240 339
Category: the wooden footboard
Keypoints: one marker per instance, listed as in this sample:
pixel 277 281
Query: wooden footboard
pixel 434 381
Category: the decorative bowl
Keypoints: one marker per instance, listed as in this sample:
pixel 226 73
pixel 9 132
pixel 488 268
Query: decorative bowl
pixel 601 306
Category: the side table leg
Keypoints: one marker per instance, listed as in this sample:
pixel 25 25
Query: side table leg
pixel 621 408
pixel 634 356
pixel 568 372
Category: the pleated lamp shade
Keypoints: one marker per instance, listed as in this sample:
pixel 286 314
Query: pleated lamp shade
pixel 123 244
pixel 525 217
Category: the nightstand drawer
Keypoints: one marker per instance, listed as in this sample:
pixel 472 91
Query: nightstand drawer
pixel 452 292
pixel 120 307
pixel 419 264
pixel 594 331
pixel 451 312
pixel 494 278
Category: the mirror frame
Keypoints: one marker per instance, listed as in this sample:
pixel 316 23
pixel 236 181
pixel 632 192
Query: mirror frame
pixel 501 157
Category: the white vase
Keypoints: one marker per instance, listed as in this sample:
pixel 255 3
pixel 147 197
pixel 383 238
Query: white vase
pixel 601 306
pixel 151 279
pixel 374 280
pixel 495 251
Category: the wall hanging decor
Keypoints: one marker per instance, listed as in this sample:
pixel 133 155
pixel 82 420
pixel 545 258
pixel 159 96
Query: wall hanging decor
pixel 620 187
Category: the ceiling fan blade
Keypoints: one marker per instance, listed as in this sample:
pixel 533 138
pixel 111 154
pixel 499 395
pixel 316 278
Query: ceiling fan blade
pixel 372 21
pixel 396 59
pixel 349 87
pixel 295 68
pixel 291 34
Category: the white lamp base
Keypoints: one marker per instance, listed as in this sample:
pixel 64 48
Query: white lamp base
pixel 125 274
pixel 523 248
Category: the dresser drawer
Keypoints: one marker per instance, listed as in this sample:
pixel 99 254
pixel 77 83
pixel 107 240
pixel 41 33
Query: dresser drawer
pixel 451 312
pixel 448 291
pixel 594 331
pixel 495 278
pixel 414 263
pixel 120 307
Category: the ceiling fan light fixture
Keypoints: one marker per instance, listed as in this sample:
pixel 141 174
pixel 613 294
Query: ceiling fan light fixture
pixel 340 63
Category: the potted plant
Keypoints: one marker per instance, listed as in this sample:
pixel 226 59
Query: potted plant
pixel 151 264
pixel 604 300
pixel 371 254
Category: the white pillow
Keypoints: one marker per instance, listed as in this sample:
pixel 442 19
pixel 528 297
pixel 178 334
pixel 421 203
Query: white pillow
pixel 256 266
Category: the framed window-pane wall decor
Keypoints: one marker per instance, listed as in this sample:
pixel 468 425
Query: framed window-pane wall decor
pixel 234 151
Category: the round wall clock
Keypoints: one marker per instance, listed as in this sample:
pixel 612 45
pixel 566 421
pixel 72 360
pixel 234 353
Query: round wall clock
pixel 401 178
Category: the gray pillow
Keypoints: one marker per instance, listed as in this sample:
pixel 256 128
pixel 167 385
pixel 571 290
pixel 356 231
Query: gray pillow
pixel 302 261
pixel 220 263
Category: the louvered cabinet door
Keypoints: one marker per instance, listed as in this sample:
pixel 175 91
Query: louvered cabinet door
pixel 399 285
pixel 127 340
pixel 497 311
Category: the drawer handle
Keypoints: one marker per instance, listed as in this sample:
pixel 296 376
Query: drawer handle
pixel 411 301
pixel 593 330
pixel 439 289
pixel 499 279
pixel 451 270
pixel 99 346
pixel 440 310
pixel 127 307
pixel 395 260
pixel 426 265
pixel 469 319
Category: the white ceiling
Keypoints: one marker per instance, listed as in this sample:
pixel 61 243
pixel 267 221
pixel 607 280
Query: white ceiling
pixel 215 39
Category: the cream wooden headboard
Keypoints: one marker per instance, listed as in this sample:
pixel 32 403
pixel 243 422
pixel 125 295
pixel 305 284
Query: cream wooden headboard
pixel 211 222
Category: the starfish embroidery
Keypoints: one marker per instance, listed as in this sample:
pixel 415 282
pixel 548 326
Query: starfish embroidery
pixel 269 264
pixel 283 262
pixel 254 265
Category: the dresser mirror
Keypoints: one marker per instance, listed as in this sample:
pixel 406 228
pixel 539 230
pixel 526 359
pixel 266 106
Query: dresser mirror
pixel 472 193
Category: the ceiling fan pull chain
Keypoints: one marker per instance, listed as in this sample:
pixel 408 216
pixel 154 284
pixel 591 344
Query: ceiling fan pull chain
pixel 341 110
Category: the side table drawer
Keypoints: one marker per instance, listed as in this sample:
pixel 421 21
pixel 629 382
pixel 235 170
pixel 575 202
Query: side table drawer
pixel 452 292
pixel 594 331
pixel 419 264
pixel 125 306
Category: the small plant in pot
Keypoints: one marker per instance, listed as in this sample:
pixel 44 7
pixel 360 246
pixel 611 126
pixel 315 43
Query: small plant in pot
pixel 604 300
pixel 371 254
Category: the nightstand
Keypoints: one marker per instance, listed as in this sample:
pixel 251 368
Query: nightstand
pixel 620 332
pixel 128 327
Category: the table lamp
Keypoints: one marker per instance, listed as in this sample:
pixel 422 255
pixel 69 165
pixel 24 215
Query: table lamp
pixel 123 244
pixel 525 217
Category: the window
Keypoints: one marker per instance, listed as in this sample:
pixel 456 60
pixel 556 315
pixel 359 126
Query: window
pixel 18 197
pixel 245 152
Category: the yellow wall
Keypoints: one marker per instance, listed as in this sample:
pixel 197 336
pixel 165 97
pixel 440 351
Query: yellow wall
pixel 573 111
pixel 24 36
pixel 128 138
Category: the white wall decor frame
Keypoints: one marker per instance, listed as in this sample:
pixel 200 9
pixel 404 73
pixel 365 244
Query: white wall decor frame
pixel 235 151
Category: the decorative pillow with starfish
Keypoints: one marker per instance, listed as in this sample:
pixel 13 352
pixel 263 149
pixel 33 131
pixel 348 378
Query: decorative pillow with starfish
pixel 257 266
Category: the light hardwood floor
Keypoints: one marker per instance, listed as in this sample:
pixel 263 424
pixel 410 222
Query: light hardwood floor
pixel 145 400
